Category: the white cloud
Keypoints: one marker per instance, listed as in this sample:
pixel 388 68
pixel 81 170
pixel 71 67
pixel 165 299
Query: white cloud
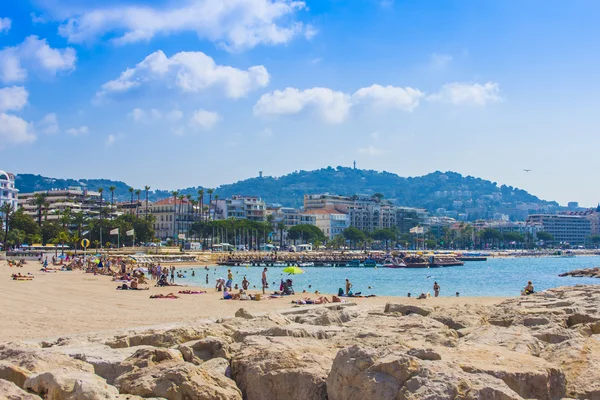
pixel 13 98
pixel 35 54
pixel 375 135
pixel 333 107
pixel 82 130
pixel 468 93
pixel 204 119
pixel 140 115
pixel 440 60
pixel 5 24
pixel 15 130
pixel 190 72
pixel 48 125
pixel 110 140
pixel 405 99
pixel 370 150
pixel 174 115
pixel 234 24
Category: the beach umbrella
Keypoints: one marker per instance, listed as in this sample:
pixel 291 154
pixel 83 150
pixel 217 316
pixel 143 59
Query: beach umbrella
pixel 62 256
pixel 293 270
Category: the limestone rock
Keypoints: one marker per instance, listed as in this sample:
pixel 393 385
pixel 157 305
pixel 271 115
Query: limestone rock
pixel 19 363
pixel 202 350
pixel 59 385
pixel 178 381
pixel 425 354
pixel 219 366
pixel 407 309
pixel 243 313
pixel 282 368
pixel 363 373
pixel 580 360
pixel 530 377
pixel 513 338
pixel 10 391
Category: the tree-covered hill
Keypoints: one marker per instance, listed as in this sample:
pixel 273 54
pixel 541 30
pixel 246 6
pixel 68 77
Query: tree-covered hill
pixel 438 190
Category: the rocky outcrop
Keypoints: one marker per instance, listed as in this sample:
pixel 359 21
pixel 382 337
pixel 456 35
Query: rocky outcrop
pixel 178 381
pixel 60 385
pixel 543 346
pixel 583 273
pixel 10 391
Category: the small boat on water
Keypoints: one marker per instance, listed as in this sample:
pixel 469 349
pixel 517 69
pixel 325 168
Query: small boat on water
pixel 393 263
pixel 370 263
pixel 471 258
pixel 445 261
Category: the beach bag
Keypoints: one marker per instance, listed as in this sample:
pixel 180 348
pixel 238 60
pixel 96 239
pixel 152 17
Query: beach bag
pixel 340 292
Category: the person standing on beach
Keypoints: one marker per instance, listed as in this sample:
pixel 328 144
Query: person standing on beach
pixel 348 286
pixel 245 283
pixel 172 274
pixel 436 289
pixel 207 279
pixel 265 282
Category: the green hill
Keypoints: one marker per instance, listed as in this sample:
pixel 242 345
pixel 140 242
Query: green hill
pixel 439 190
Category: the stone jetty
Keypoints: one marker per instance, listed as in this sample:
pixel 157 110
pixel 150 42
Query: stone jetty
pixel 544 346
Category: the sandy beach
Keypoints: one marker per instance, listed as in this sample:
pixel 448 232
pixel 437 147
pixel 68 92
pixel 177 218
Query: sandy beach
pixel 63 303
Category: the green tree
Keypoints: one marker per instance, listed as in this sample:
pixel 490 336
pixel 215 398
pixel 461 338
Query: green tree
pixel 40 202
pixel 545 236
pixel 384 235
pixel 147 190
pixel 354 235
pixel 7 210
pixel 138 192
pixel 491 236
pixel 306 233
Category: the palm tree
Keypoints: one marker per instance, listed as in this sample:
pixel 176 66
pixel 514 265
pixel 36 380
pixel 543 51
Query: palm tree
pixel 79 220
pixel 281 228
pixel 175 194
pixel 147 189
pixel 7 209
pixel 210 193
pixel 39 199
pixel 181 198
pixel 112 199
pixel 137 206
pixel 131 204
pixel 201 200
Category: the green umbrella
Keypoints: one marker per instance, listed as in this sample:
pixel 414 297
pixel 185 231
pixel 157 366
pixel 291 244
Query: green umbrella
pixel 293 270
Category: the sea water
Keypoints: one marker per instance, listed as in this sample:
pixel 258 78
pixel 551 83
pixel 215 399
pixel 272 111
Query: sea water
pixel 494 277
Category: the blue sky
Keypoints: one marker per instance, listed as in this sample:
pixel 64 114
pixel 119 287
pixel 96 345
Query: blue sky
pixel 204 92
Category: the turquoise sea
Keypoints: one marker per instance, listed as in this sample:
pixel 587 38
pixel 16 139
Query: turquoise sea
pixel 494 277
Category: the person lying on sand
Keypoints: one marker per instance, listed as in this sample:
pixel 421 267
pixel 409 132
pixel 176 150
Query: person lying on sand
pixel 191 292
pixel 164 296
pixel 422 296
pixel 19 277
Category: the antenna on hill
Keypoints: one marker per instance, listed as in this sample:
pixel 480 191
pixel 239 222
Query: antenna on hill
pixel 260 174
pixel 355 164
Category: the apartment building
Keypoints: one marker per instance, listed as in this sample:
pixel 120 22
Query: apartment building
pixel 75 198
pixel 573 229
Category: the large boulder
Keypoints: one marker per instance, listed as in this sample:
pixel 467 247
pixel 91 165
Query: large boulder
pixel 10 391
pixel 107 362
pixel 59 385
pixel 460 316
pixel 580 360
pixel 19 363
pixel 530 377
pixel 407 309
pixel 165 337
pixel 199 351
pixel 364 373
pixel 517 339
pixel 282 368
pixel 178 381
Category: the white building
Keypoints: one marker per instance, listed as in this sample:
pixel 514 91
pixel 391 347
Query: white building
pixel 173 217
pixel 74 198
pixel 331 221
pixel 8 192
pixel 241 207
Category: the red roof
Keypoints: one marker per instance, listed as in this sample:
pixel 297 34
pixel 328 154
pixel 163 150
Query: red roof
pixel 169 201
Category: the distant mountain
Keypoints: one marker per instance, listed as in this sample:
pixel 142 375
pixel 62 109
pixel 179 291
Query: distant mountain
pixel 447 193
